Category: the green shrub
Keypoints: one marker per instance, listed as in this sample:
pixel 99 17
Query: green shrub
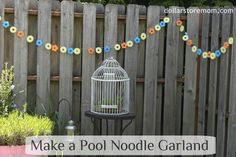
pixel 17 126
pixel 6 90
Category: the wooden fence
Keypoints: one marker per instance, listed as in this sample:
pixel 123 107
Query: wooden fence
pixel 172 91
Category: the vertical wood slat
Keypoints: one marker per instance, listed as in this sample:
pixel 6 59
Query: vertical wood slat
pixel 88 65
pixel 212 98
pixel 140 87
pixel 55 57
pixel 231 138
pixel 190 76
pixel 151 62
pixel 77 65
pixel 2 14
pixel 132 24
pixel 170 102
pixel 180 74
pixel 203 74
pixel 43 57
pixel 66 62
pixel 32 58
pixel 110 39
pixel 98 59
pixel 110 27
pixel 160 74
pixel 223 88
pixel 21 51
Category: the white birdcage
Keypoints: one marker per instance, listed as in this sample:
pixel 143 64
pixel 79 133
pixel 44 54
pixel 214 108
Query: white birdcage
pixel 110 89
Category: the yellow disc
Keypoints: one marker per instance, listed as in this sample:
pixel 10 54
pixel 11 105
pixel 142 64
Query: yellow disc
pixel 213 56
pixel 48 46
pixel 77 51
pixel 223 50
pixel 63 49
pixel 117 47
pixel 185 37
pixel 157 27
pixel 130 43
pixel 181 28
pixel 194 49
pixel 166 19
pixel 204 55
pixel 13 29
pixel 143 36
pixel 98 50
pixel 30 39
pixel 231 40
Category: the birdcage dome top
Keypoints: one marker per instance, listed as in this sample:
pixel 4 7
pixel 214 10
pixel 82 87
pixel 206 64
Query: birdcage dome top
pixel 110 70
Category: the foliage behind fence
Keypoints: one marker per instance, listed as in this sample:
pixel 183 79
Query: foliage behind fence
pixel 172 91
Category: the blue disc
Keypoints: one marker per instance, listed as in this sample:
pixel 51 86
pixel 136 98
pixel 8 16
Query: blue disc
pixel 162 24
pixel 70 51
pixel 39 42
pixel 137 40
pixel 5 24
pixel 107 49
pixel 217 53
pixel 199 52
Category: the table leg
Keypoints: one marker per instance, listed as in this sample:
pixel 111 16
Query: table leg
pixel 107 126
pixel 118 127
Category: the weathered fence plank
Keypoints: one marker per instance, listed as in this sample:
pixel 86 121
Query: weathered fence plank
pixel 190 77
pixel 180 86
pixel 32 59
pixel 43 57
pixel 151 66
pixel 170 102
pixel 160 74
pixel 77 65
pixel 110 27
pixel 110 39
pixel 223 87
pixel 212 98
pixel 203 75
pixel 132 24
pixel 100 129
pixel 2 14
pixel 140 86
pixel 88 65
pixel 21 51
pixel 231 134
pixel 55 57
pixel 66 62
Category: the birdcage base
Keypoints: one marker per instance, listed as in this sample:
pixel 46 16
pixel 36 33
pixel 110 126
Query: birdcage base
pixel 113 114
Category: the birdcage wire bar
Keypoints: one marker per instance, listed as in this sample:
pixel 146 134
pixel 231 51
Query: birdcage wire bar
pixel 110 89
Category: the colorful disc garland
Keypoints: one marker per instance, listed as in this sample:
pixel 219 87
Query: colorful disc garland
pixel 137 40
pixel 206 54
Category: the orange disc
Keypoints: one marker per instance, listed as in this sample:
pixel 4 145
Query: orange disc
pixel 209 54
pixel 151 31
pixel 226 45
pixel 20 34
pixel 189 42
pixel 55 48
pixel 124 45
pixel 179 22
pixel 90 51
